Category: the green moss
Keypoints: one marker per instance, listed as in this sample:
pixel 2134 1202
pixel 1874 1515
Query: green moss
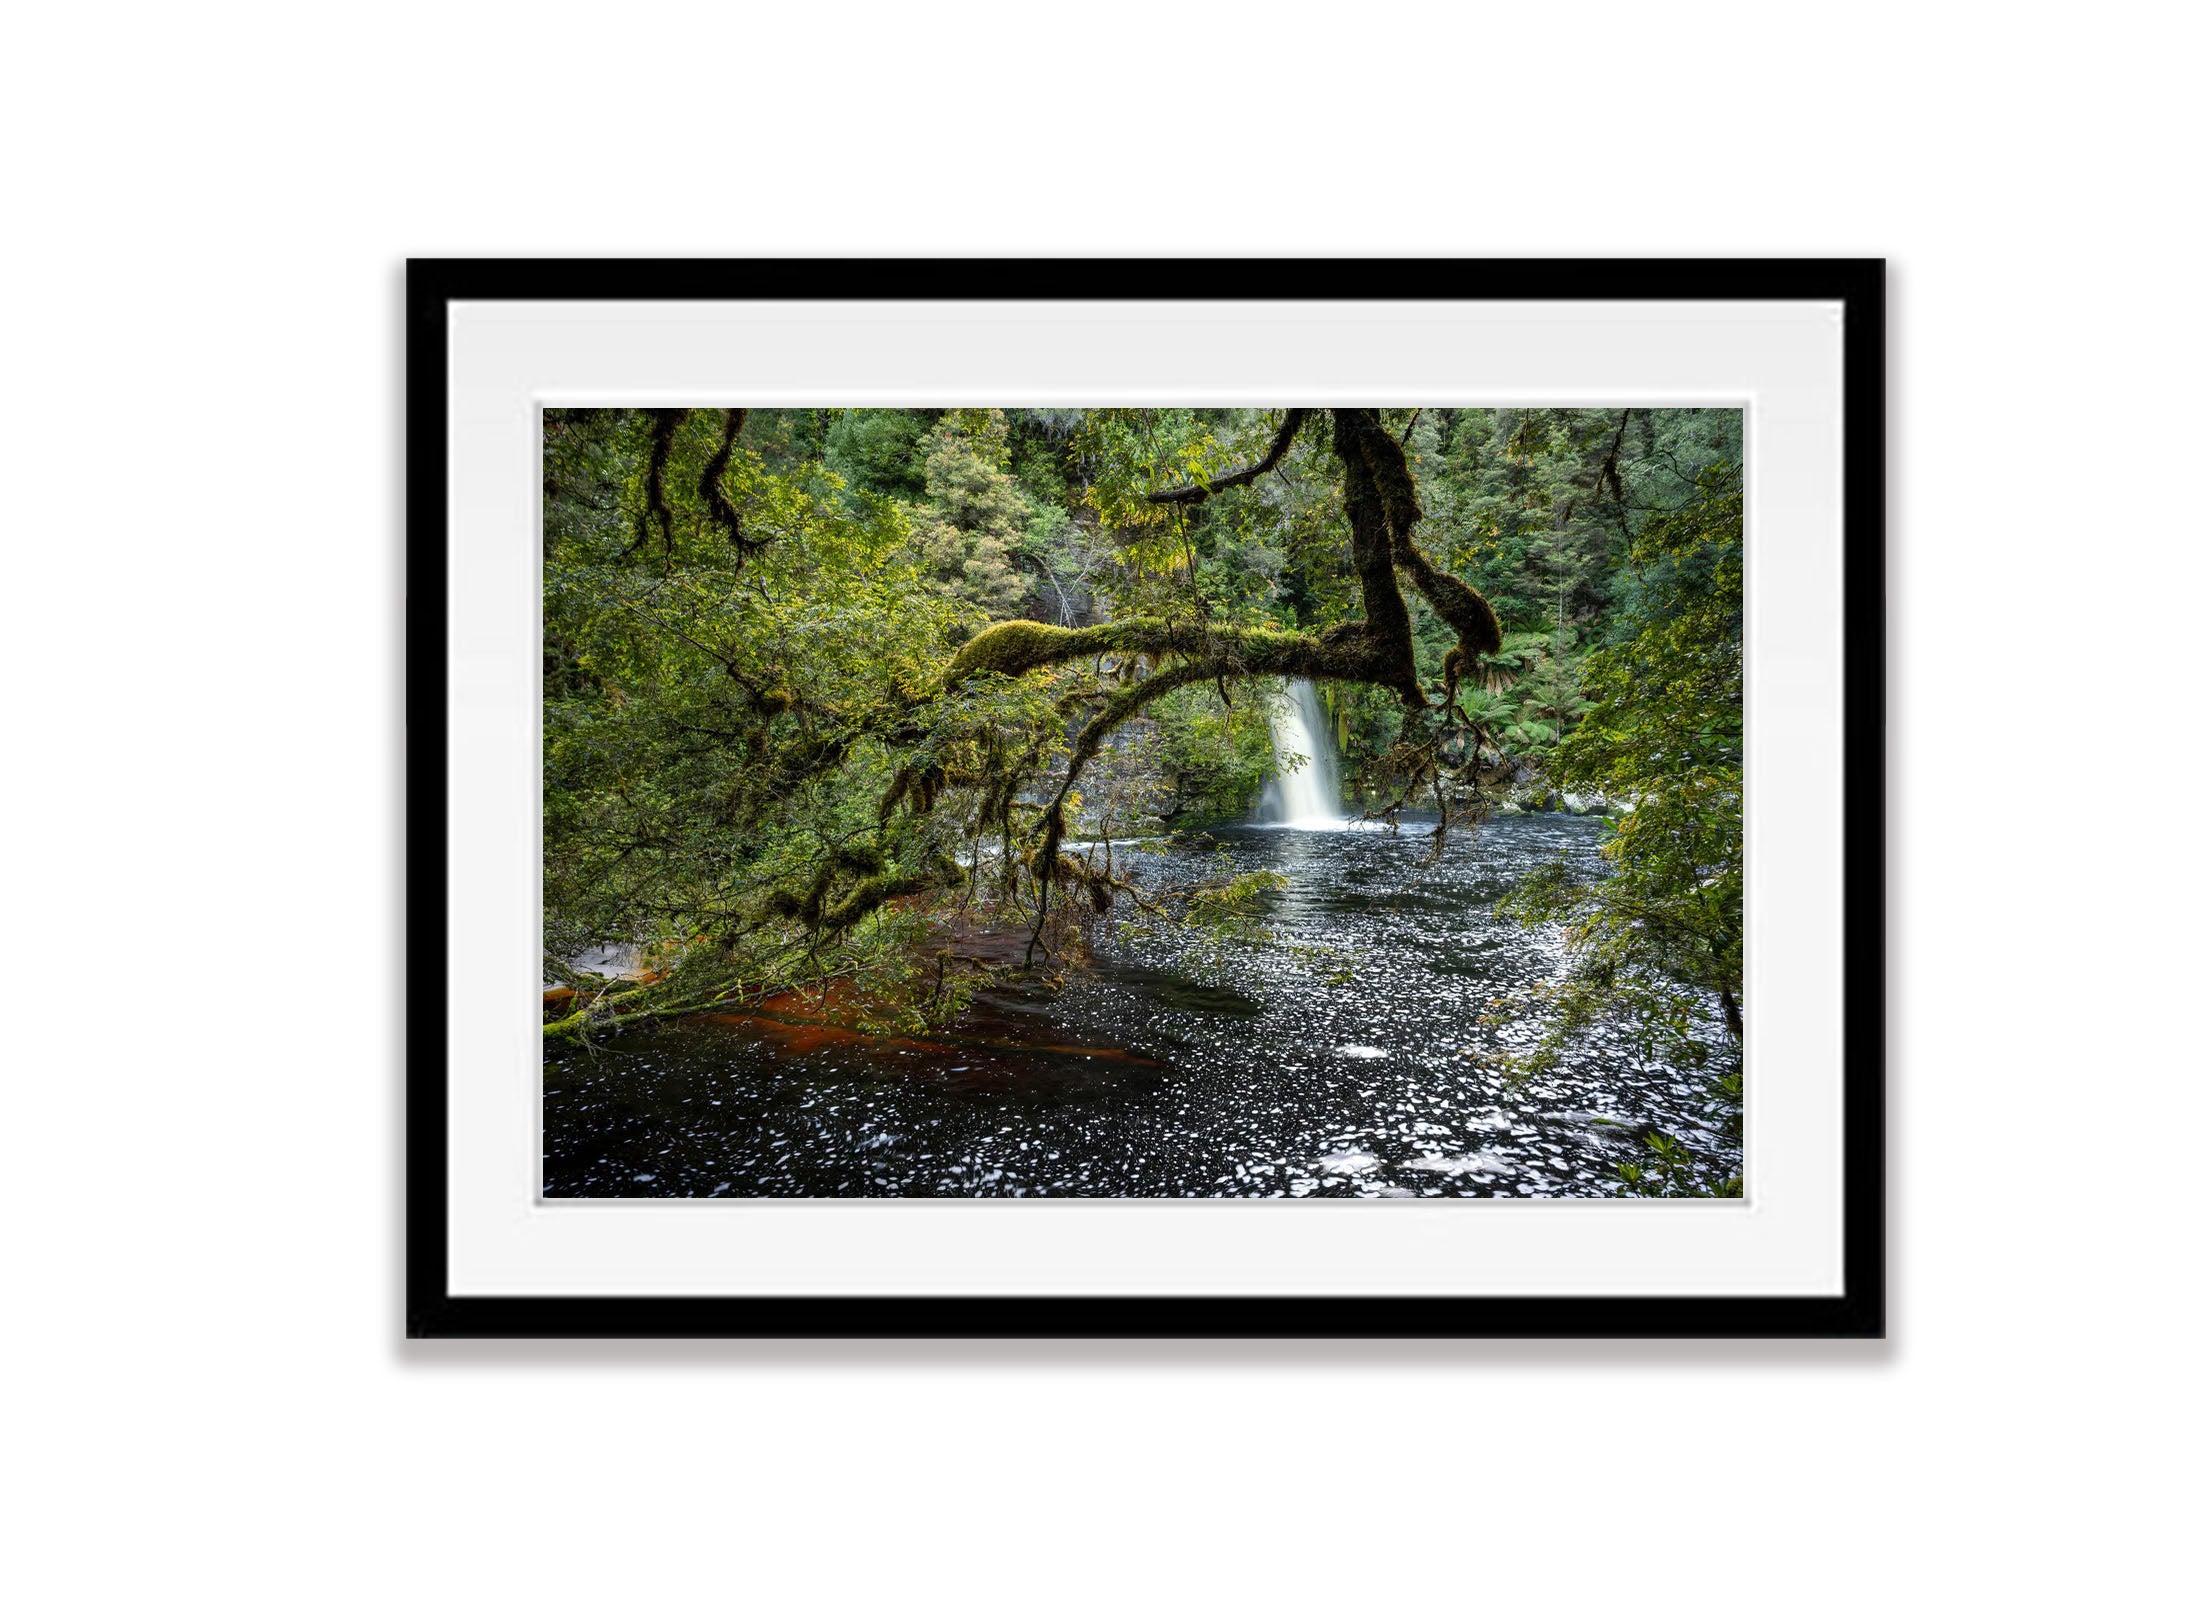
pixel 1014 648
pixel 871 893
pixel 920 785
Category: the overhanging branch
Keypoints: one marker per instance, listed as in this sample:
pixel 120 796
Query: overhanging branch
pixel 664 425
pixel 1192 493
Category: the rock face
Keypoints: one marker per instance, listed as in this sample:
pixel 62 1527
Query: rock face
pixel 1529 793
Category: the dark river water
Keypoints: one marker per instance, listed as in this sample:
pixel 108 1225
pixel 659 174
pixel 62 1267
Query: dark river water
pixel 1344 1058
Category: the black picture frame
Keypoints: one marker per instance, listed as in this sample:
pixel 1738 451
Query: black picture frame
pixel 432 1311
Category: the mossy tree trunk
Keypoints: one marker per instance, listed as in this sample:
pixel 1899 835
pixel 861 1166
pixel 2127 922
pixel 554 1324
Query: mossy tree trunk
pixel 1383 508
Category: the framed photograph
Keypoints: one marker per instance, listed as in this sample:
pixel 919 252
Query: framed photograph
pixel 1189 798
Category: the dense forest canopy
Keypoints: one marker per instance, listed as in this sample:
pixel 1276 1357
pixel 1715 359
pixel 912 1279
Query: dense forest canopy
pixel 816 680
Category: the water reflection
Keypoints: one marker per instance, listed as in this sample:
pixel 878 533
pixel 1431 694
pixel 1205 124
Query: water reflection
pixel 1345 1058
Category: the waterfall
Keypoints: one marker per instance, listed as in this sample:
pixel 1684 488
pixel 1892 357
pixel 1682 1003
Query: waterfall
pixel 1307 797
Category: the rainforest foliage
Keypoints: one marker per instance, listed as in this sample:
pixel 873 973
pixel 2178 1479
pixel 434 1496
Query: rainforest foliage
pixel 1659 939
pixel 819 682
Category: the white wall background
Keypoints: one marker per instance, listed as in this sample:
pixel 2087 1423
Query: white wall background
pixel 205 211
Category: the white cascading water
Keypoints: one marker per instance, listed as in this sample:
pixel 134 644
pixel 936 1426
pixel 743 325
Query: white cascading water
pixel 1307 796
